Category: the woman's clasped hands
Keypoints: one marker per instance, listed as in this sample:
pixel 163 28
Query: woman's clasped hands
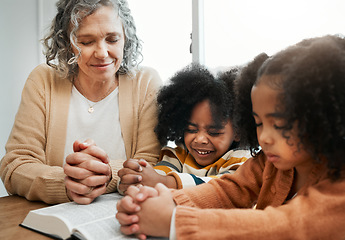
pixel 88 172
pixel 146 211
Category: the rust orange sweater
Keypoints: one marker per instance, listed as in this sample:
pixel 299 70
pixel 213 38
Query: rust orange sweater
pixel 222 208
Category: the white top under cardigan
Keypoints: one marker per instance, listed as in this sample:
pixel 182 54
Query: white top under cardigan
pixel 102 125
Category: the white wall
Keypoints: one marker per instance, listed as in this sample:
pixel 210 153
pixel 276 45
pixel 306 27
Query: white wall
pixel 18 56
pixel 22 23
pixel 240 30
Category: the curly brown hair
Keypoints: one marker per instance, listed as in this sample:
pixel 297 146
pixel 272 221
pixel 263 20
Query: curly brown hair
pixel 311 93
pixel 244 118
pixel 188 87
pixel 58 42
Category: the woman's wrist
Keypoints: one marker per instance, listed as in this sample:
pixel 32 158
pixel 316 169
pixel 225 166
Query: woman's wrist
pixel 110 176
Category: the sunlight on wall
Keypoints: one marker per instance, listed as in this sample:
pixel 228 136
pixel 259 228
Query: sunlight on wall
pixel 165 28
pixel 237 31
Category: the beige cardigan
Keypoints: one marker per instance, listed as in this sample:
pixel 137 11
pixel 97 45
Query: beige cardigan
pixel 207 210
pixel 32 166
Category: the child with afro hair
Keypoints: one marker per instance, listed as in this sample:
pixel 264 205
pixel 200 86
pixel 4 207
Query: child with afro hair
pixel 196 112
pixel 293 187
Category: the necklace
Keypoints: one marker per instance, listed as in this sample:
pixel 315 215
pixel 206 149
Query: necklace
pixel 91 109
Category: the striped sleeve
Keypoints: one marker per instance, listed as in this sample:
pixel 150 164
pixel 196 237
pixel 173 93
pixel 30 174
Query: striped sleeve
pixel 192 176
pixel 185 180
pixel 170 160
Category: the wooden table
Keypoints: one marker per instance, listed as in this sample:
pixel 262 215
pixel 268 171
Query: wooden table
pixel 13 210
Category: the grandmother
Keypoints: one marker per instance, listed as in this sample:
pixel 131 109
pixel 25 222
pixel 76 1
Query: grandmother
pixel 86 110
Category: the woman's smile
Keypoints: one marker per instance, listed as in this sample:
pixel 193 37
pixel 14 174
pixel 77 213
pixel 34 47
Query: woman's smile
pixel 102 66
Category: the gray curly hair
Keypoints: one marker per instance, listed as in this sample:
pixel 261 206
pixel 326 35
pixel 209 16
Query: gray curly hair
pixel 58 43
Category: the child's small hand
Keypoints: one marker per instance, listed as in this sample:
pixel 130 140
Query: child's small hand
pixel 150 177
pixel 155 207
pixel 137 172
pixel 129 174
pixel 129 206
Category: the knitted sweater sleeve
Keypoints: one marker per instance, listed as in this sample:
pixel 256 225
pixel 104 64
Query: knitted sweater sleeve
pixel 192 175
pixel 147 144
pixel 138 117
pixel 177 162
pixel 26 169
pixel 207 211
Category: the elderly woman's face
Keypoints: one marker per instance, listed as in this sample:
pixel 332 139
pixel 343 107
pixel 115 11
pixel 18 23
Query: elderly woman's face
pixel 101 40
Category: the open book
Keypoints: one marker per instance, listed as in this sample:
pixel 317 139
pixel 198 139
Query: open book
pixel 70 220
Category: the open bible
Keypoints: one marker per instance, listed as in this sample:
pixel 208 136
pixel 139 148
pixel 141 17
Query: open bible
pixel 73 221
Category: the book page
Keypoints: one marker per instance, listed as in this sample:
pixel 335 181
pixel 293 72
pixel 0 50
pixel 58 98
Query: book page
pixel 108 228
pixel 105 228
pixel 75 214
pixel 93 221
pixel 72 214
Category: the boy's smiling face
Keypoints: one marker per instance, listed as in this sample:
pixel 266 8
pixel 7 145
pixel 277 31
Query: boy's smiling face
pixel 203 139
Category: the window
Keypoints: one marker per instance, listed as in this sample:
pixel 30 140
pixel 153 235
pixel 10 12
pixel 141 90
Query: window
pixel 165 28
pixel 226 32
pixel 236 31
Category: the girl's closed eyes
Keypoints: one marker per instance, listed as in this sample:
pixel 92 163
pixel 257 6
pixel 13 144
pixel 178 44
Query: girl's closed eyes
pixel 212 131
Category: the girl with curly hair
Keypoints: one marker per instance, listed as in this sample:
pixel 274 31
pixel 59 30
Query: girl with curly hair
pixel 293 187
pixel 91 90
pixel 196 112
